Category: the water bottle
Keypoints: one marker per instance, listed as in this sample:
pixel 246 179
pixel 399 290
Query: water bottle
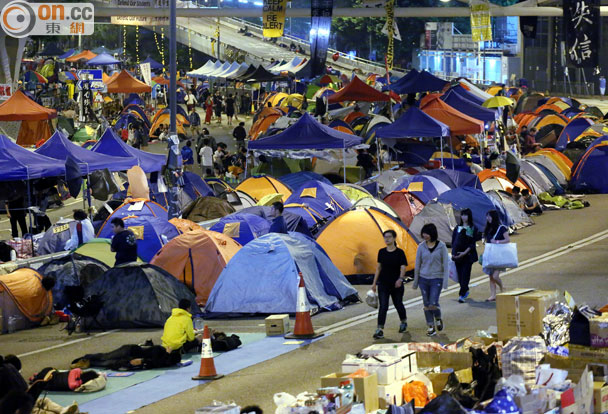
pixel 199 324
pixel 12 324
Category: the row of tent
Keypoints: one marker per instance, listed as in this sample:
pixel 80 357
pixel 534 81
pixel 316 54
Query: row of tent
pixel 235 71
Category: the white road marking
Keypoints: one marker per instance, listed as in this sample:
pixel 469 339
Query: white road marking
pixel 370 316
pixel 75 341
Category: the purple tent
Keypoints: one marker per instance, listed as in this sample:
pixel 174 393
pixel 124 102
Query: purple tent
pixel 414 124
pixel 110 144
pixel 17 163
pixel 103 60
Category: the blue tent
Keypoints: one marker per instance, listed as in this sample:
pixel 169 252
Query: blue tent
pixel 454 178
pixel 295 180
pixel 110 144
pixel 413 124
pixel 242 227
pixel 103 59
pixel 52 49
pixel 458 89
pixel 154 65
pixel 468 107
pixel 478 202
pixel 590 174
pixel 133 99
pixel 60 148
pixel 195 186
pixel 401 82
pixel 317 202
pixel 571 131
pixel 151 232
pixel 129 109
pixel 67 54
pixel 424 187
pixel 420 82
pixel 414 153
pixel 263 278
pixel 306 133
pixel 294 222
pixel 17 163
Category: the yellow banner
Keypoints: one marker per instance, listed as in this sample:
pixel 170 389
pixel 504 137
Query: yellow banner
pixel 481 21
pixel 274 17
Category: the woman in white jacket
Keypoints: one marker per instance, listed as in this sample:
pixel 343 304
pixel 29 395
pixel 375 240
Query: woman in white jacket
pixel 431 274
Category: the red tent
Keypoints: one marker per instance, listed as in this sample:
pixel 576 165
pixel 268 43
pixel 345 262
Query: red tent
pixel 459 123
pixel 357 90
pixel 125 83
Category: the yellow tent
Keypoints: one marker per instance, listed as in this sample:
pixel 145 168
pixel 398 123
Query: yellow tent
pixel 22 296
pixel 268 199
pixel 258 187
pixel 557 160
pixel 353 239
pixel 353 192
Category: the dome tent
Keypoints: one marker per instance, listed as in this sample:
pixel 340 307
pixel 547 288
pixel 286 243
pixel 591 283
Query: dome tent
pixel 71 270
pixel 261 185
pixel 196 259
pixel 478 202
pixel 406 204
pixel 317 202
pixel 22 296
pixel 138 295
pixel 263 278
pixel 242 227
pixel 442 215
pixel 98 249
pixel 425 188
pixel 55 238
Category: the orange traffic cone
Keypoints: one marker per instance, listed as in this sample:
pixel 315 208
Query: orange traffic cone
pixel 207 370
pixel 303 328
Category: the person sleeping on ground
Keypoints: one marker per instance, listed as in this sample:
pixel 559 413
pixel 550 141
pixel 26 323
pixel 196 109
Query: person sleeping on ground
pixel 130 357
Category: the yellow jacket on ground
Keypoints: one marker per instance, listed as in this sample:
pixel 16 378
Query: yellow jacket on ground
pixel 178 329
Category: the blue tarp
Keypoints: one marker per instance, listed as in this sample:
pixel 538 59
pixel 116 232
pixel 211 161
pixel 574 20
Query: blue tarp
pixel 59 147
pixel 110 144
pixel 316 202
pixel 263 278
pixel 423 187
pixel 242 227
pixel 454 178
pixel 295 180
pixel 571 131
pixel 590 174
pixel 421 82
pixel 468 107
pixel 154 65
pixel 17 163
pixel 413 124
pixel 306 133
pixel 103 59
pixel 478 202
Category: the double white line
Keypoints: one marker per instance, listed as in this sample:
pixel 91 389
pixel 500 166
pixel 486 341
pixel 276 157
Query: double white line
pixel 414 302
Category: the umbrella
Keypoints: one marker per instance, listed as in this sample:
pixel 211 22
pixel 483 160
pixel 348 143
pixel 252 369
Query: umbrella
pixel 32 76
pixel 67 76
pixel 498 101
pixel 513 167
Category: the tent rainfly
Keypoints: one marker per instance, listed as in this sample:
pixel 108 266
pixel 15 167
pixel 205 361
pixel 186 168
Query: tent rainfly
pixel 357 90
pixel 124 82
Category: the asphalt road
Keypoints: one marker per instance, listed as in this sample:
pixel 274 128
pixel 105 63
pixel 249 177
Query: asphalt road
pixel 565 250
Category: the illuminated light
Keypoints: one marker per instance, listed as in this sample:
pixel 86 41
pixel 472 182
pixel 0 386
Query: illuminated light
pixel 258 3
pixel 243 1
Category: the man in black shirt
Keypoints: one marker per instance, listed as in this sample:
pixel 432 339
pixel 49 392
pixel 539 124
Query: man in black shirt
pixel 123 243
pixel 365 161
pixel 239 133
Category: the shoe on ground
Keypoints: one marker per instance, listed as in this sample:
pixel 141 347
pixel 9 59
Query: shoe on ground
pixel 431 331
pixel 148 342
pixel 403 327
pixel 439 324
pixel 461 299
pixel 378 334
pixel 81 363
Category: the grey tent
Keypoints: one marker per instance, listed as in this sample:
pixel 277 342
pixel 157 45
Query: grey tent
pixel 54 239
pixel 535 178
pixel 520 218
pixel 550 165
pixel 207 208
pixel 441 215
pixel 138 295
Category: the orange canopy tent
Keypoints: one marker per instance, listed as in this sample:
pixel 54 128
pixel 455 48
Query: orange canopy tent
pixel 357 90
pixel 161 80
pixel 21 108
pixel 84 55
pixel 125 83
pixel 459 123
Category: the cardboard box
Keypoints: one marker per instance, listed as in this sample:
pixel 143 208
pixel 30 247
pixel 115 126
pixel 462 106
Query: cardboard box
pixel 600 397
pixel 390 394
pixel 440 379
pixel 366 388
pixel 454 360
pixel 396 350
pixel 387 368
pixel 409 365
pixel 589 354
pixel 598 328
pixel 520 312
pixel 277 325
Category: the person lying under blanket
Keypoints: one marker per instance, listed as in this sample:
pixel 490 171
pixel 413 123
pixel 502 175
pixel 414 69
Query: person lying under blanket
pixel 130 357
pixel 75 380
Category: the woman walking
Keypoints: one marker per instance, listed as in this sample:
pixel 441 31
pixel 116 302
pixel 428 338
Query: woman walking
pixel 219 104
pixel 389 280
pixel 229 108
pixel 208 110
pixel 498 234
pixel 464 251
pixel 431 274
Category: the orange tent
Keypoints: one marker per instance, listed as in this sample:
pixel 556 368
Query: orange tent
pixel 22 294
pixel 161 80
pixel 352 116
pixel 125 83
pixel 502 175
pixel 558 154
pixel 264 119
pixel 184 225
pixel 32 132
pixel 357 90
pixel 84 55
pixel 21 108
pixel 459 123
pixel 406 204
pixel 197 258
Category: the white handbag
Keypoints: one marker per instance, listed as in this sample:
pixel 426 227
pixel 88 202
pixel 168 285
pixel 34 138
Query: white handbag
pixel 500 255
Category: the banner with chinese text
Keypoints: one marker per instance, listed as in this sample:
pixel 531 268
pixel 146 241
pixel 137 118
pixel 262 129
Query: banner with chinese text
pixel 481 22
pixel 274 17
pixel 321 12
pixel 582 27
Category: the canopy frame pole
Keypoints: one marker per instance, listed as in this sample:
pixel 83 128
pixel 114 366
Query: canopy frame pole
pixel 378 155
pixel 344 163
pixel 451 152
pixel 441 149
pixel 29 210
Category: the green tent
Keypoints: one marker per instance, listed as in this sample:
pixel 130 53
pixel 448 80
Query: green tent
pixel 99 249
pixel 84 134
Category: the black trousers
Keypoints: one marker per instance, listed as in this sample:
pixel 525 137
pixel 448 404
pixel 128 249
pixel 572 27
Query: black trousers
pixel 18 218
pixel 537 210
pixel 464 275
pixel 384 292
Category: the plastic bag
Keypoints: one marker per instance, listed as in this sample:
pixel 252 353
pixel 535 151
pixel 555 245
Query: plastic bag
pixel 514 385
pixel 551 377
pixel 360 373
pixel 371 298
pixel 453 272
pixel 283 401
pixel 417 391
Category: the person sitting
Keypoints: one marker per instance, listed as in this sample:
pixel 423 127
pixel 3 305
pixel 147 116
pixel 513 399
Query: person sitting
pixel 531 145
pixel 83 232
pixel 130 357
pixel 178 332
pixel 365 161
pixel 530 203
pixel 124 243
pixel 475 168
pixel 516 195
pixel 278 222
pixel 7 253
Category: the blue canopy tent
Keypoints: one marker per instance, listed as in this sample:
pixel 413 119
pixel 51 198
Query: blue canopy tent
pixel 52 50
pixel 67 54
pixel 421 82
pixel 60 148
pixel 154 65
pixel 399 84
pixel 307 134
pixel 468 107
pixel 110 144
pixel 17 163
pixel 103 59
